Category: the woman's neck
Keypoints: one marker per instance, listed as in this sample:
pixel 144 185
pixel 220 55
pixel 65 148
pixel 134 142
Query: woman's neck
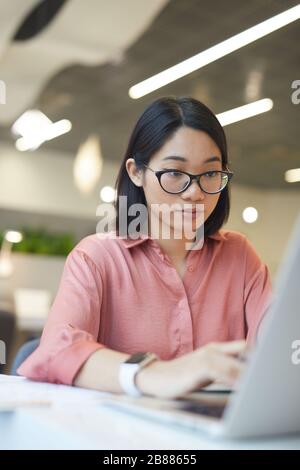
pixel 175 249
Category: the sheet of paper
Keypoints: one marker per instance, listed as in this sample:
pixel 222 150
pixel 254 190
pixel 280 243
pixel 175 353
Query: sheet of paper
pixel 19 392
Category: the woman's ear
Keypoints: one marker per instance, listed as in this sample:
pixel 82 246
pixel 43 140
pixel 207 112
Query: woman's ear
pixel 134 173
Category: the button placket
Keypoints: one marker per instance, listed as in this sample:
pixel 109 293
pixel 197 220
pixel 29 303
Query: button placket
pixel 185 326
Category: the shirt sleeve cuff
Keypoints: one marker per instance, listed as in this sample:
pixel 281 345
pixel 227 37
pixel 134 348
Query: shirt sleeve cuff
pixel 64 367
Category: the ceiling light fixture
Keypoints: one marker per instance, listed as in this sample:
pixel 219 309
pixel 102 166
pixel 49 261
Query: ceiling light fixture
pixel 88 165
pixel 250 215
pixel 292 176
pixel 244 112
pixel 107 194
pixel 214 53
pixel 36 128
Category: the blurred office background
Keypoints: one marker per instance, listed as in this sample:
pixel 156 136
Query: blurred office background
pixel 67 68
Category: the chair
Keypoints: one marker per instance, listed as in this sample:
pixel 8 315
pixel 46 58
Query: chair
pixel 23 353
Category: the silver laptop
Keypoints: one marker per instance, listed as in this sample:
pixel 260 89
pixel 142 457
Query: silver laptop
pixel 267 397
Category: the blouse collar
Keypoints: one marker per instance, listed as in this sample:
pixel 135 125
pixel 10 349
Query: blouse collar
pixel 129 243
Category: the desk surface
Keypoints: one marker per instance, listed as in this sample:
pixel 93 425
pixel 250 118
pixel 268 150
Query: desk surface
pixel 77 419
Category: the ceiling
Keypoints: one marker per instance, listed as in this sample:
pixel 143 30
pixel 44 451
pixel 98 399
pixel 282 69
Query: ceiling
pixel 95 97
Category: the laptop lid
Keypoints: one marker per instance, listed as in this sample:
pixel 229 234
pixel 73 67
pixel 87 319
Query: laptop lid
pixel 268 398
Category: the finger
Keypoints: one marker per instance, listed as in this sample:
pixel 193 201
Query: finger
pixel 226 369
pixel 233 348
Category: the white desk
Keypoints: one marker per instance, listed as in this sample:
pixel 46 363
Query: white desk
pixel 77 420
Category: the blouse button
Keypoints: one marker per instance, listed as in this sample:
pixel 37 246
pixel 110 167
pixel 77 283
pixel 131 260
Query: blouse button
pixel 190 269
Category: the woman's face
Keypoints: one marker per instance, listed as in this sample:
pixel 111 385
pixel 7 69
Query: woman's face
pixel 196 153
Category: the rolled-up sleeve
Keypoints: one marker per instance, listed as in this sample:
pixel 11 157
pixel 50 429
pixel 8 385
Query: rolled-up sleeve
pixel 71 331
pixel 257 292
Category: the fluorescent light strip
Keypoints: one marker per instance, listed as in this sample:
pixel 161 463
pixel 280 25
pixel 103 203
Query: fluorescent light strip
pixel 52 131
pixel 58 128
pixel 214 53
pixel 244 112
pixel 292 176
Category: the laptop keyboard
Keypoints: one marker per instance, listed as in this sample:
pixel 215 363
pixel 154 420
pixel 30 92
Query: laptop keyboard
pixel 215 411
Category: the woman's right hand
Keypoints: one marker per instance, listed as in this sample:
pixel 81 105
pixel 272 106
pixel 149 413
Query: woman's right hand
pixel 215 362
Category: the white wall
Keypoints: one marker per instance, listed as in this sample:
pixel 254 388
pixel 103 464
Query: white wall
pixel 277 211
pixel 42 181
pixel 33 272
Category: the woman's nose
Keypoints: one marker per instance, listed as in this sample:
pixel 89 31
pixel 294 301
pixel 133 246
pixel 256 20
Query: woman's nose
pixel 193 192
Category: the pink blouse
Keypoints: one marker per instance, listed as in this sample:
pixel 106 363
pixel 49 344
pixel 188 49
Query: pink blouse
pixel 126 295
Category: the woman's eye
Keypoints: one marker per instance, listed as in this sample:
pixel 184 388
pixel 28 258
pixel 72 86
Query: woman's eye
pixel 211 174
pixel 174 174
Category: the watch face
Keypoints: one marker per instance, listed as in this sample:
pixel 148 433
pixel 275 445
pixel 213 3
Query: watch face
pixel 136 358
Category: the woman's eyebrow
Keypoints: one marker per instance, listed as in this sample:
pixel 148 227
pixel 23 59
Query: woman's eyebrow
pixel 175 157
pixel 213 159
pixel 183 159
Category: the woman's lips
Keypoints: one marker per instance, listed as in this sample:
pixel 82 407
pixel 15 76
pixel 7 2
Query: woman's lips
pixel 194 213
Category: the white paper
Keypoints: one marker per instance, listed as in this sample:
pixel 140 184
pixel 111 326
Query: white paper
pixel 18 392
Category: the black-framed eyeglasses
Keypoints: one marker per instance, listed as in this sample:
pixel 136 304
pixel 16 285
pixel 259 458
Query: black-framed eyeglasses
pixel 175 182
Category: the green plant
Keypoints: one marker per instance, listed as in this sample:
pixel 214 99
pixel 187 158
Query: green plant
pixel 42 242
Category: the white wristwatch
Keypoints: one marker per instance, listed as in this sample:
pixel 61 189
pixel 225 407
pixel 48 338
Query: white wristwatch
pixel 130 368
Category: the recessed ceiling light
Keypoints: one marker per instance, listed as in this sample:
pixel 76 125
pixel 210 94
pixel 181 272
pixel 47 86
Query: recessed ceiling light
pixel 107 194
pixel 250 215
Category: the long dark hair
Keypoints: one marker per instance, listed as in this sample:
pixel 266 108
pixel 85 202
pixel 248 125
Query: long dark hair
pixel 156 125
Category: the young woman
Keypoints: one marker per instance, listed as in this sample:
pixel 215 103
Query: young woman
pixel 192 308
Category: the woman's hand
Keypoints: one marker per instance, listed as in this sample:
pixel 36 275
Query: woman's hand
pixel 215 362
